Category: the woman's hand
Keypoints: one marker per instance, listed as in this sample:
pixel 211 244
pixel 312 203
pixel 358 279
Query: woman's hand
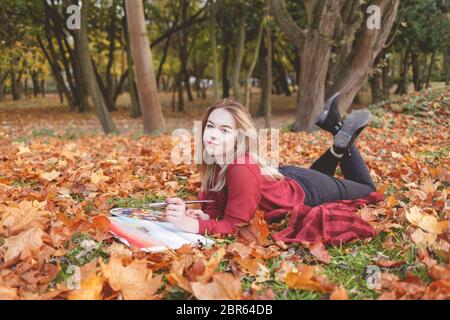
pixel 176 208
pixel 185 223
pixel 197 214
pixel 176 213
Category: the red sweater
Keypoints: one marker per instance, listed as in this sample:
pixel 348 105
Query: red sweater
pixel 246 189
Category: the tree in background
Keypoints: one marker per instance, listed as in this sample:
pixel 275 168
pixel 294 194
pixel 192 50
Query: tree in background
pixel 145 75
pixel 87 70
pixel 337 50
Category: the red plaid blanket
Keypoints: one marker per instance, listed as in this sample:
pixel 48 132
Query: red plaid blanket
pixel 330 223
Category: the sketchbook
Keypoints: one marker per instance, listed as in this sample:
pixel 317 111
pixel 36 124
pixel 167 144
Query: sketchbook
pixel 151 235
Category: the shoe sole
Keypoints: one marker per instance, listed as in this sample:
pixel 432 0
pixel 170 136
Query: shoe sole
pixel 353 125
pixel 320 119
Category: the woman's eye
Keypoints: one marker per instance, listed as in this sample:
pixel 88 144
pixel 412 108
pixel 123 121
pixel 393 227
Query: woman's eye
pixel 209 126
pixel 224 130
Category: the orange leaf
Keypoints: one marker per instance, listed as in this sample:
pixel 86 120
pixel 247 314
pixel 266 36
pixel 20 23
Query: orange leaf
pixel 223 286
pixel 256 231
pixel 318 250
pixel 339 293
pixel 101 223
pixel 301 278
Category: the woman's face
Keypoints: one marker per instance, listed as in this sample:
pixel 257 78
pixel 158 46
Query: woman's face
pixel 219 136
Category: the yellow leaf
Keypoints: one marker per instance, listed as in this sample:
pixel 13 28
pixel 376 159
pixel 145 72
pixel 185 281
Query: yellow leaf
pixel 23 149
pixel 90 289
pixel 423 239
pixel 211 265
pixel 22 245
pixel 97 177
pixel 50 176
pixel 26 214
pixel 426 222
pixel 301 279
pixel 224 286
pixel 135 281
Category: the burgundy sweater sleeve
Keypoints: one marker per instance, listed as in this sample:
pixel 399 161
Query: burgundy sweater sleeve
pixel 243 197
pixel 212 209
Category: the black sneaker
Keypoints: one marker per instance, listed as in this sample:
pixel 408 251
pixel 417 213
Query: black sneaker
pixel 330 119
pixel 354 123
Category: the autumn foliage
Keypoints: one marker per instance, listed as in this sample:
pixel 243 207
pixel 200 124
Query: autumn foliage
pixel 56 192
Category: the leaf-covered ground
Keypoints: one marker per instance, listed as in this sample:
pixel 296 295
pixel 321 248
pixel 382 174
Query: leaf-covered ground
pixel 59 177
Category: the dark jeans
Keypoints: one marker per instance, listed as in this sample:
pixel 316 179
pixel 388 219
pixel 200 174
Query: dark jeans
pixel 319 184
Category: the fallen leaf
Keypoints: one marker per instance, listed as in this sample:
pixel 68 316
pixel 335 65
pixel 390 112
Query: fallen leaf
pixel 301 278
pixel 426 222
pixel 25 215
pixel 98 177
pixel 90 289
pixel 423 239
pixel 339 293
pixel 23 245
pixel 223 286
pixel 256 231
pixel 211 265
pixel 135 281
pixel 319 251
pixel 50 176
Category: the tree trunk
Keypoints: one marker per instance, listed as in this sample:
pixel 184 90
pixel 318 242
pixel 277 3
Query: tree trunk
pixel 180 94
pixel 212 34
pixel 15 90
pixel 43 88
pixel 2 96
pixel 184 50
pixel 430 69
pixel 87 70
pixel 375 86
pixel 268 96
pixel 386 79
pixel 239 55
pixel 248 84
pixel 132 90
pixel 152 115
pixel 447 66
pixel 225 82
pixel 416 71
pixel 368 45
pixel 403 82
pixel 35 81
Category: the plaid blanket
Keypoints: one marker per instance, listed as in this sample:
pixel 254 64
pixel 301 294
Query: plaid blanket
pixel 330 223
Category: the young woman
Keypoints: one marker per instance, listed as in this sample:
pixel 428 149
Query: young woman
pixel 240 182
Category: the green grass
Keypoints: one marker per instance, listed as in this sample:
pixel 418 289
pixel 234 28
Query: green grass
pixel 348 267
pixel 78 255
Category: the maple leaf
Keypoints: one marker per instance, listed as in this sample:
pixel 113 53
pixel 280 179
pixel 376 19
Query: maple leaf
pixel 50 176
pixel 223 286
pixel 211 265
pixel 90 289
pixel 135 281
pixel 256 231
pixel 426 222
pixel 241 249
pixel 26 214
pixel 98 177
pixel 23 245
pixel 303 278
pixel 423 239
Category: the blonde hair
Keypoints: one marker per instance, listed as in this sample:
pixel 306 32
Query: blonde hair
pixel 244 122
